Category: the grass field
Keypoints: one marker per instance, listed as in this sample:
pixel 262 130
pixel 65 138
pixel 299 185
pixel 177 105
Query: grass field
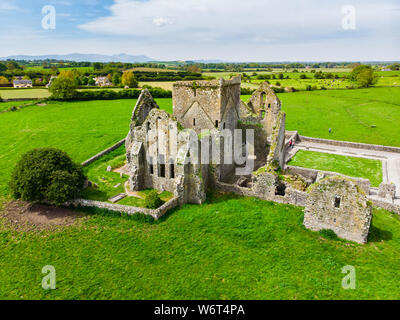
pixel 350 166
pixel 24 93
pixel 227 248
pixel 7 105
pixel 350 113
pixel 385 79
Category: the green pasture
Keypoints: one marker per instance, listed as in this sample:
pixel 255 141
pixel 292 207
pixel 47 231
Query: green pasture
pixel 362 115
pixel 230 247
pixel 349 166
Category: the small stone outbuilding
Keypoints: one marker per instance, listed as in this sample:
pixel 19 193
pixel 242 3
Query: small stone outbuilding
pixel 338 204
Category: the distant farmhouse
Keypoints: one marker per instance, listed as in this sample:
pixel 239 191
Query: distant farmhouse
pixel 51 81
pixel 102 82
pixel 22 83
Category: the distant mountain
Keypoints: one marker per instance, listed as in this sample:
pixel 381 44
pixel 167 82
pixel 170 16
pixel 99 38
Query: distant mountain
pixel 207 61
pixel 79 57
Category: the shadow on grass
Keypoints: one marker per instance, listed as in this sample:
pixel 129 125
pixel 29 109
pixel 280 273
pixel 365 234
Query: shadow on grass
pixel 378 235
pixel 215 196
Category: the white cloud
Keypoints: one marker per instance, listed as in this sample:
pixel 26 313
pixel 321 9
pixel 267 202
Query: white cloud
pixel 210 20
pixel 162 21
pixel 7 6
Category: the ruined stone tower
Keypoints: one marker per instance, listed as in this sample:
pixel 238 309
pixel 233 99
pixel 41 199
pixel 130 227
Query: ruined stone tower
pixel 202 105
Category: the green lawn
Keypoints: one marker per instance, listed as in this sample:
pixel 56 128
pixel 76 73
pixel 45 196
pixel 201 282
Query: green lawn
pixel 107 181
pixel 350 113
pixel 7 105
pixel 82 129
pixel 111 184
pixel 228 248
pixel 350 166
pixel 24 93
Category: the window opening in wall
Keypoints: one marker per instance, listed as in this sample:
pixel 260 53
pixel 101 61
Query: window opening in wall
pixel 337 201
pixel 172 171
pixel 162 170
pixel 216 123
pixel 194 122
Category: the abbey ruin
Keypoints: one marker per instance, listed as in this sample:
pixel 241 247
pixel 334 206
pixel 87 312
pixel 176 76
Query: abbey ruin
pixel 213 140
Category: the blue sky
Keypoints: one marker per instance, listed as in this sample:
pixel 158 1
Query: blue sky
pixel 231 30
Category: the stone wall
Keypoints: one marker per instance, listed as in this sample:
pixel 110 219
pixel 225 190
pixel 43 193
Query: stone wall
pixel 155 213
pixel 387 190
pixel 312 174
pixel 102 153
pixel 350 144
pixel 338 204
pixel 277 150
pixel 265 187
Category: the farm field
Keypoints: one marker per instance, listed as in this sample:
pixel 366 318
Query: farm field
pixel 350 166
pixel 385 79
pixel 227 248
pixel 24 93
pixel 166 85
pixel 352 114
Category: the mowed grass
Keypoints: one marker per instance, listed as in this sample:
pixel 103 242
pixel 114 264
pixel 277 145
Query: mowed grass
pixel 24 93
pixel 110 184
pixel 7 105
pixel 82 129
pixel 228 248
pixel 350 166
pixel 350 113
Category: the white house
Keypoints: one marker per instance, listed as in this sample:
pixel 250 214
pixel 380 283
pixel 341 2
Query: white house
pixel 22 83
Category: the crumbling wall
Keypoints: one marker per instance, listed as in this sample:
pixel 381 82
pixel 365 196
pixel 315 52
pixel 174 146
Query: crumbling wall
pixel 387 190
pixel 338 204
pixel 142 108
pixel 277 149
pixel 266 105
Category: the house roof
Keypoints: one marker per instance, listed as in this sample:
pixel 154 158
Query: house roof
pixel 22 81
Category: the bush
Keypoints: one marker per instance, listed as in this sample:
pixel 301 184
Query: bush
pixel 246 91
pixel 278 90
pixel 104 94
pixel 152 200
pixel 46 174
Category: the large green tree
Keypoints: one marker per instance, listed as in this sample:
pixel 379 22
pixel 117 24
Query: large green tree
pixel 63 88
pixel 363 75
pixel 128 79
